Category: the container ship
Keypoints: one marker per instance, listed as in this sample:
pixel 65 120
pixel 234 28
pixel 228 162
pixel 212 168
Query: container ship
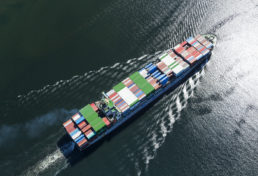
pixel 170 69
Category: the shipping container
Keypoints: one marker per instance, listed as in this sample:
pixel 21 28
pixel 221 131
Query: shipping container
pixel 89 134
pixel 106 121
pixel 94 107
pixel 141 82
pixel 69 125
pixel 79 138
pixel 76 133
pixel 82 142
pixel 77 118
pixel 152 69
pixel 128 96
pixel 86 128
pixel 82 124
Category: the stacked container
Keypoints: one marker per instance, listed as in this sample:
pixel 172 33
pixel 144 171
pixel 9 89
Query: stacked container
pixel 94 107
pixel 188 51
pixel 106 121
pixel 86 128
pixel 117 100
pixel 79 139
pixel 77 118
pixel 128 96
pixel 164 68
pixel 153 82
pixel 134 88
pixel 156 78
pixel 141 82
pixel 151 68
pixel 92 118
pixel 75 133
pixel 173 62
pixel 84 125
pixel 89 134
pixel 82 142
pixel 69 126
pixel 204 42
pixel 199 46
pixel 144 72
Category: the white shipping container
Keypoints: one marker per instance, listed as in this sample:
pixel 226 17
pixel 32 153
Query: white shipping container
pixel 76 117
pixel 168 60
pixel 144 73
pixel 110 92
pixel 167 71
pixel 127 96
pixel 178 69
pixel 76 134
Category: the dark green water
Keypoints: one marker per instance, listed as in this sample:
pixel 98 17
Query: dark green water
pixel 56 56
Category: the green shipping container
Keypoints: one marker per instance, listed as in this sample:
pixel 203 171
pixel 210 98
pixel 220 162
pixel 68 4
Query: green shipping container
pixel 87 111
pixel 98 125
pixel 92 117
pixel 119 87
pixel 142 83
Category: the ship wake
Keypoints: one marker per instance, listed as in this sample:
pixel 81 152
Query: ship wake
pixel 162 123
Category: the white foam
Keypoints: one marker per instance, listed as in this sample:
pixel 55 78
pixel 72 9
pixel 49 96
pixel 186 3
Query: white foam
pixel 45 163
pixel 178 104
pixel 52 159
pixel 115 65
pixel 142 57
pixel 166 124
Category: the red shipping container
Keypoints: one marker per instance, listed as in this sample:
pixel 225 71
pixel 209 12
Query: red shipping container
pixel 179 50
pixel 106 121
pixel 82 142
pixel 69 126
pixel 86 128
pixel 114 94
pixel 129 83
pixel 182 44
pixel 88 132
pixel 82 124
pixel 94 107
pixel 134 88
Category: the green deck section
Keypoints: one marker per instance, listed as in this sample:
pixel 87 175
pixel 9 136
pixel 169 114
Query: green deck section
pixel 86 111
pixel 142 83
pixel 92 118
pixel 98 125
pixel 119 87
